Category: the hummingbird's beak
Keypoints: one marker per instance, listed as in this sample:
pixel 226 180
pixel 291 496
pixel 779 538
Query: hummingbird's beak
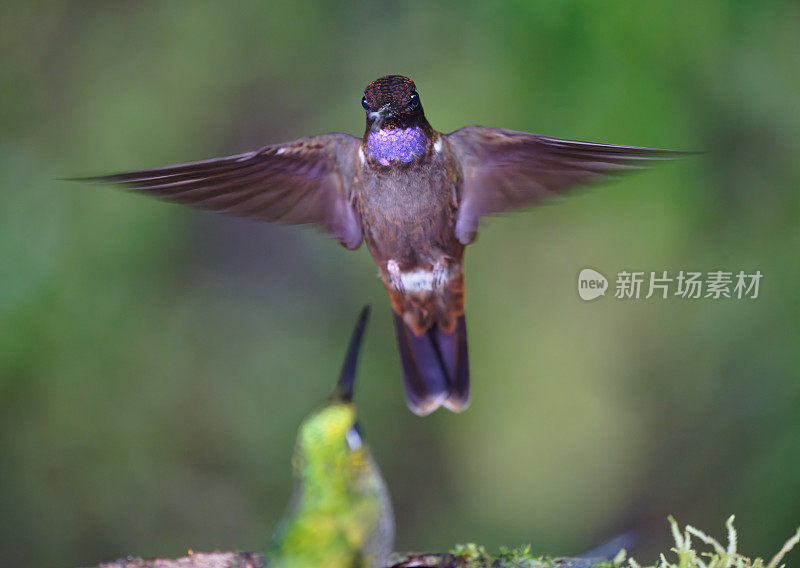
pixel 377 117
pixel 344 388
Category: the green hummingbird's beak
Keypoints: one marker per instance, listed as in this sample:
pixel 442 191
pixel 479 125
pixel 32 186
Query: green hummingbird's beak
pixel 344 388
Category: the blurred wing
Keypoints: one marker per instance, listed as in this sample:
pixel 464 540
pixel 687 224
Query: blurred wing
pixel 507 169
pixel 299 182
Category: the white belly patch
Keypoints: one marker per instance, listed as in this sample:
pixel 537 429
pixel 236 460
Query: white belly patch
pixel 419 280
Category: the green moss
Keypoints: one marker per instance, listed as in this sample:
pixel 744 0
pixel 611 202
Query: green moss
pixel 471 555
pixel 712 554
pixel 704 552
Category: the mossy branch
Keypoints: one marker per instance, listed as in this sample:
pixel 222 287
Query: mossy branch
pixel 448 560
pixel 193 560
pixel 682 555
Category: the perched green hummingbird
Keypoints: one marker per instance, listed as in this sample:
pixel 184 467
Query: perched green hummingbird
pixel 415 195
pixel 340 515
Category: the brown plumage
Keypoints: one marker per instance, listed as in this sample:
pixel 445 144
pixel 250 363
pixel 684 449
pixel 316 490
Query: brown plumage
pixel 416 197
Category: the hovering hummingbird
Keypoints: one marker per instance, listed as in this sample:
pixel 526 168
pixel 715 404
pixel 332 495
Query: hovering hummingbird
pixel 415 195
pixel 340 515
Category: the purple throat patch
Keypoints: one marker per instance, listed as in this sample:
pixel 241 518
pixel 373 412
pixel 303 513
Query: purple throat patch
pixel 402 144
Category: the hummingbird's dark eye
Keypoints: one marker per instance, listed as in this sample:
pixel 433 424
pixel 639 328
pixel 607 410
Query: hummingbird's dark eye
pixel 365 104
pixel 414 100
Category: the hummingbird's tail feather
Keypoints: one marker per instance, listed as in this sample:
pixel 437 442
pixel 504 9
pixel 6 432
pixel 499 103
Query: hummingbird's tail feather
pixel 423 374
pixel 458 387
pixel 435 367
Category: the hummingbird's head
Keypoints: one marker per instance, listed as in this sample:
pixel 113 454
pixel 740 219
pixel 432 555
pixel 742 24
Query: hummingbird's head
pixel 392 102
pixel 330 438
pixel 331 435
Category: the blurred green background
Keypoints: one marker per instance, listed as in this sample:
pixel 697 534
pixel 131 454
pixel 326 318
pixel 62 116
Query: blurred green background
pixel 155 361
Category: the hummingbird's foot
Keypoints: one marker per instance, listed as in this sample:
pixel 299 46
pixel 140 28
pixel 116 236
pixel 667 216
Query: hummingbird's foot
pixel 395 276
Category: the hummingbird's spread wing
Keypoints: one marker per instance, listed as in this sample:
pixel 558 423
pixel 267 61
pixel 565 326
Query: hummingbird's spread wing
pixel 299 182
pixel 507 169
